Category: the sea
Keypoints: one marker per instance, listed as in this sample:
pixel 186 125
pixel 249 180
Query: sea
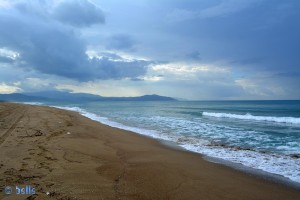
pixel 261 135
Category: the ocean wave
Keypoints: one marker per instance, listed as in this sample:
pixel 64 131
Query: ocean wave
pixel 290 120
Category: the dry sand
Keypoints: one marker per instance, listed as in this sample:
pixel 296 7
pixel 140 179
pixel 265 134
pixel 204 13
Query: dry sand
pixel 95 161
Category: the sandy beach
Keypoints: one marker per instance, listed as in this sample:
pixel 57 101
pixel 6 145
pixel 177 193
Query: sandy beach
pixel 64 155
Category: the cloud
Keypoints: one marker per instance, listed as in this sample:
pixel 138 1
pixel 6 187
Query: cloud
pixel 121 42
pixel 108 88
pixel 226 8
pixel 50 47
pixel 4 59
pixel 227 32
pixel 271 86
pixel 194 81
pixel 194 55
pixel 249 61
pixel 7 56
pixel 172 79
pixel 45 46
pixel 212 49
pixel 5 88
pixel 79 13
pixel 220 9
pixel 178 15
pixel 105 68
pixel 4 3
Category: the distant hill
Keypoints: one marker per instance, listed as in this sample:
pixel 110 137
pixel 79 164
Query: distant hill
pixel 18 97
pixel 59 96
pixel 153 97
pixel 64 96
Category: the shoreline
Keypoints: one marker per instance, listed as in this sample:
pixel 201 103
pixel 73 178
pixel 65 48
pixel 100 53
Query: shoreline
pixel 117 163
pixel 260 174
pixel 273 177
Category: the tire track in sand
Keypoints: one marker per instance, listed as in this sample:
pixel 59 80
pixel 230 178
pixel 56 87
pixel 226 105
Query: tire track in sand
pixel 6 134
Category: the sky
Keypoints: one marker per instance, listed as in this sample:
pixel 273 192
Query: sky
pixel 189 49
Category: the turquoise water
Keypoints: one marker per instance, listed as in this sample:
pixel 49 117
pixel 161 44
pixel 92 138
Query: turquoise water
pixel 259 134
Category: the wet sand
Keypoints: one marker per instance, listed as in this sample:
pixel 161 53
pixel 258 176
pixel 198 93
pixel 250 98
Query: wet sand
pixel 72 157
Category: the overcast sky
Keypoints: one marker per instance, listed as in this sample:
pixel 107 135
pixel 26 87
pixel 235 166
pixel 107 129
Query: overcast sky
pixel 191 49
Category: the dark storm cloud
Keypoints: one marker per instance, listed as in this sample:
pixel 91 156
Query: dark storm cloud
pixel 121 42
pixel 241 30
pixel 4 59
pixel 79 13
pixel 256 41
pixel 47 47
pixel 249 61
pixel 106 68
pixel 50 47
pixel 195 55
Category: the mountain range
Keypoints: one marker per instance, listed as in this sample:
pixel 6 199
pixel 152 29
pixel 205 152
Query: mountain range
pixel 60 96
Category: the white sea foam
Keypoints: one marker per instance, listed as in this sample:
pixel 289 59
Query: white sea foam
pixel 106 121
pixel 284 165
pixel 291 120
pixel 273 163
pixel 32 103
